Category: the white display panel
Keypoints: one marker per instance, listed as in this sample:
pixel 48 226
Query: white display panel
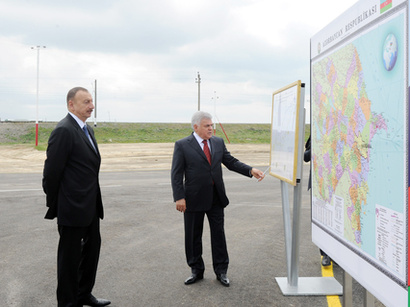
pixel 359 120
pixel 285 132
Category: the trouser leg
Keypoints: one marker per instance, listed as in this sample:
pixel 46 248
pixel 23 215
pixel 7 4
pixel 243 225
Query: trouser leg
pixel 68 260
pixel 193 223
pixel 89 258
pixel 77 261
pixel 220 258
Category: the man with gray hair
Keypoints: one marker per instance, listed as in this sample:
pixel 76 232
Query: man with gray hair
pixel 198 190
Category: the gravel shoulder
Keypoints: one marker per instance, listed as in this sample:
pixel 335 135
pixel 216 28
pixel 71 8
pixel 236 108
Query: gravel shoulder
pixel 124 157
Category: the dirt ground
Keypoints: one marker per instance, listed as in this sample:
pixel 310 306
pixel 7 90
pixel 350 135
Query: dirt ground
pixel 124 157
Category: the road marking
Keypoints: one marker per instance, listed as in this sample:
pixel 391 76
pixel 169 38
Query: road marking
pixel 332 300
pixel 255 205
pixel 31 190
pixel 20 190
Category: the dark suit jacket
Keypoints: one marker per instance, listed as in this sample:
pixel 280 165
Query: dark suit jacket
pixel 70 176
pixel 189 162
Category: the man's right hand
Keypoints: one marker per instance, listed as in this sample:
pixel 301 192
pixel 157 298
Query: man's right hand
pixel 181 205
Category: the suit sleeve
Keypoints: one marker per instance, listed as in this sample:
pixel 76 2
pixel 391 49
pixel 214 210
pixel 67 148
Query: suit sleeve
pixel 234 164
pixel 177 172
pixel 58 151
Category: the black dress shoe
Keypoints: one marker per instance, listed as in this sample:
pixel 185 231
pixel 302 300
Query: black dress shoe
pixel 326 260
pixel 223 279
pixel 193 278
pixel 93 301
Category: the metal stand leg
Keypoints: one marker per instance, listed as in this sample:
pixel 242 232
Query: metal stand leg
pixel 294 272
pixel 293 284
pixel 347 290
pixel 368 299
pixel 287 225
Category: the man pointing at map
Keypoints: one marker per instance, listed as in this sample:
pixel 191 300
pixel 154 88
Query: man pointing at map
pixel 198 190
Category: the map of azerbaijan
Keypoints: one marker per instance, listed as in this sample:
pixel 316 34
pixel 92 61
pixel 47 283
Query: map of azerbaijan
pixel 359 141
pixel 345 127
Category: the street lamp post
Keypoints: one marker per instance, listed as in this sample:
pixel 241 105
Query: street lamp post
pixel 38 75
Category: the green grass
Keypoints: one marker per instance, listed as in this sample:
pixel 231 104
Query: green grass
pixel 150 133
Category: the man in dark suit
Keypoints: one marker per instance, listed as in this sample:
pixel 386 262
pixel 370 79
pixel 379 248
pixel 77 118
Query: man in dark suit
pixel 198 189
pixel 71 184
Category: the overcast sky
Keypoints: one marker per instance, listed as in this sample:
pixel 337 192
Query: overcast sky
pixel 145 56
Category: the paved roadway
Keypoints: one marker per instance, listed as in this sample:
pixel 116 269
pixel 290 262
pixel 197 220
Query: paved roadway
pixel 142 258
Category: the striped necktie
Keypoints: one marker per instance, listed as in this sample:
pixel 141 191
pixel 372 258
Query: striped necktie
pixel 88 136
pixel 206 151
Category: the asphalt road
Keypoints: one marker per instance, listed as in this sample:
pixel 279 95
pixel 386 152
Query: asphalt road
pixel 142 259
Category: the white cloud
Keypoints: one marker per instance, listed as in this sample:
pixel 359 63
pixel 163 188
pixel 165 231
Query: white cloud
pixel 145 55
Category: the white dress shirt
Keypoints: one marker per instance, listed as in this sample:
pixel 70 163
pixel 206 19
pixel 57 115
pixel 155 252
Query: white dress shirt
pixel 199 140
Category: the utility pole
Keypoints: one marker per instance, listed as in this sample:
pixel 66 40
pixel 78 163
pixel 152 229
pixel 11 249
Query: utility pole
pixel 38 75
pixel 198 80
pixel 214 98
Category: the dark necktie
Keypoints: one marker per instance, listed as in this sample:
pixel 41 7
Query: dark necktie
pixel 88 136
pixel 206 151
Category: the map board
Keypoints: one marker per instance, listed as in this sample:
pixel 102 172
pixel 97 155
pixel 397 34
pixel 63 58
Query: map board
pixel 284 135
pixel 359 135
